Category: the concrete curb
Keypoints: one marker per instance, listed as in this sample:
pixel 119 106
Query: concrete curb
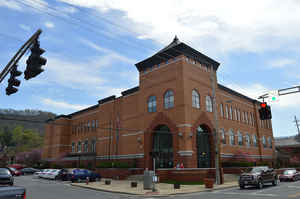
pixel 153 195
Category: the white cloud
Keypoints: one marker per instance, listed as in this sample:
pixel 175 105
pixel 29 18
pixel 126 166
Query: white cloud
pixel 10 4
pixel 49 24
pixel 62 104
pixel 281 63
pixel 210 25
pixel 256 90
pixel 112 54
pixel 25 27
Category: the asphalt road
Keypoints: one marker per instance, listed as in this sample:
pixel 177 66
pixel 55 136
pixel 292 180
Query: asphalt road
pixel 48 189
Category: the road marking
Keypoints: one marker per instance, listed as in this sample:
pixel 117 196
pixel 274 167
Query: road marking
pixel 291 186
pixel 294 195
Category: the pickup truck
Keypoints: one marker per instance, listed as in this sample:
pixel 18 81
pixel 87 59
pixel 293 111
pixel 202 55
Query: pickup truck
pixel 12 192
pixel 258 176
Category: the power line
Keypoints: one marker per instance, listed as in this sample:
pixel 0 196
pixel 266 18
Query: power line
pixel 89 25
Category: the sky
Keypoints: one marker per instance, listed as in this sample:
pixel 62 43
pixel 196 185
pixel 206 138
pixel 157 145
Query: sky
pixel 92 46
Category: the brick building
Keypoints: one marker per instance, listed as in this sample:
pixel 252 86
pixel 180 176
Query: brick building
pixel 170 113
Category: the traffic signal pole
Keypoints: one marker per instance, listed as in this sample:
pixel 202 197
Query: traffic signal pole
pixel 19 54
pixel 285 91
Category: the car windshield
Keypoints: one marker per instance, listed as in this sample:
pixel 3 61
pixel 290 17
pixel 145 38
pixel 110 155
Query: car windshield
pixel 4 171
pixel 13 169
pixel 253 170
pixel 289 172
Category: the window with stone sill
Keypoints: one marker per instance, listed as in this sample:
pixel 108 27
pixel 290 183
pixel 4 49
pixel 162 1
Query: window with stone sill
pixel 73 147
pixel 231 137
pixel 240 139
pixel 230 113
pixel 195 99
pixel 221 110
pixel 254 140
pixel 209 106
pixel 79 146
pixel 264 142
pixel 270 142
pixel 152 104
pixel 223 138
pixel 247 139
pixel 169 99
pixel 235 114
pixel 226 111
pixel 86 146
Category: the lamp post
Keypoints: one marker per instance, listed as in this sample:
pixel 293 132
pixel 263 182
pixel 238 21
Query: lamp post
pixel 217 140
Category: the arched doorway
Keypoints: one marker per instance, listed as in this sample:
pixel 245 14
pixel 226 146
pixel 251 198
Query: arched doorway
pixel 203 147
pixel 163 147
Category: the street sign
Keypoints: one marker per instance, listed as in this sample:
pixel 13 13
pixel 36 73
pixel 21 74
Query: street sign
pixel 273 96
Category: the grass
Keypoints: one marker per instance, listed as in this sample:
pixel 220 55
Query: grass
pixel 182 183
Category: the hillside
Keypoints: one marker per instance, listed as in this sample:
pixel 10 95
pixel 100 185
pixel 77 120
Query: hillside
pixel 20 117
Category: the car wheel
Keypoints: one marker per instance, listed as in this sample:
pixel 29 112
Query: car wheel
pixel 260 184
pixel 11 184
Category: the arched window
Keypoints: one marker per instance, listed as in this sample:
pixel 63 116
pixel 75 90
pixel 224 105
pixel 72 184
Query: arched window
pixel 240 138
pixel 230 112
pixel 254 140
pixel 235 114
pixel 195 99
pixel 73 147
pixel 270 142
pixel 264 142
pixel 247 139
pixel 208 104
pixel 223 138
pixel 79 146
pixel 169 99
pixel 86 146
pixel 231 137
pixel 152 104
pixel 239 115
pixel 226 111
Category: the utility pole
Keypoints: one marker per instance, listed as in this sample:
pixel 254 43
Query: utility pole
pixel 216 129
pixel 297 125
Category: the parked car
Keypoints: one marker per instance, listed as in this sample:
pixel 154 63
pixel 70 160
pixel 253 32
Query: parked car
pixel 53 174
pixel 15 172
pixel 289 175
pixel 64 174
pixel 6 177
pixel 82 174
pixel 43 173
pixel 28 171
pixel 258 176
pixel 12 192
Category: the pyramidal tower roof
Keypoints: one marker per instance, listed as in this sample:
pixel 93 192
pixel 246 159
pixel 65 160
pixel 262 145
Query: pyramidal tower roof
pixel 176 48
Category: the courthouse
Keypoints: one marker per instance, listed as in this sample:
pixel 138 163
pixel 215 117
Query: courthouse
pixel 169 114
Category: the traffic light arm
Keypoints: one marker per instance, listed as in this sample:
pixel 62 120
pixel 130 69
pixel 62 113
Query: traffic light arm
pixel 19 54
pixel 285 91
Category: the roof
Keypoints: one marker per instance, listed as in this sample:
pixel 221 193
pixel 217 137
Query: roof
pixel 176 48
pixel 236 93
pixel 286 141
pixel 130 91
pixel 107 99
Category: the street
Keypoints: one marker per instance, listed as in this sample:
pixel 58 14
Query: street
pixel 48 189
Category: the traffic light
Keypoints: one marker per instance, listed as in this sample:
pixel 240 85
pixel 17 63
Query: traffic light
pixel 265 111
pixel 35 61
pixel 12 81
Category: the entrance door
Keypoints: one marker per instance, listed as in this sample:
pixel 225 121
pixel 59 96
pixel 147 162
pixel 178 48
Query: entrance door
pixel 163 147
pixel 203 148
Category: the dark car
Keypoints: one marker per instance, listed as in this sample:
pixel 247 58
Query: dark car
pixel 26 171
pixel 78 175
pixel 65 174
pixel 258 176
pixel 6 177
pixel 12 192
pixel 289 175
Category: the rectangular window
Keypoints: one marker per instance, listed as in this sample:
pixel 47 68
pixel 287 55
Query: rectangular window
pixel 221 110
pixel 230 112
pixel 97 123
pixel 226 111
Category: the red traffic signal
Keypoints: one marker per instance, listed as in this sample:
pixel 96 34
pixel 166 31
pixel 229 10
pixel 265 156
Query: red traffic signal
pixel 263 105
pixel 265 111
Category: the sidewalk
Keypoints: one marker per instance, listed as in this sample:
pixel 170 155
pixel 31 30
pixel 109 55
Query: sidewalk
pixel 163 189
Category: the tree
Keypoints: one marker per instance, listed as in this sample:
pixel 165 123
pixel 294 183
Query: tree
pixel 5 138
